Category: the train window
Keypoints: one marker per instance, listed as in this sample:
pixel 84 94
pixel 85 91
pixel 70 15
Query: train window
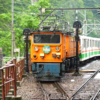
pixel 46 38
pixel 93 43
pixel 90 43
pixel 84 43
pixel 99 44
pixel 87 43
pixel 96 44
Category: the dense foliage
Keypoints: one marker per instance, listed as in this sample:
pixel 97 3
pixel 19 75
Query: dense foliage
pixel 26 16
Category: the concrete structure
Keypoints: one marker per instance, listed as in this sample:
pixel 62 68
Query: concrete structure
pixel 1 59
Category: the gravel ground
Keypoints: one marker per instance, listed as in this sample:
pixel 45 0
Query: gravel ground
pixel 92 66
pixel 73 83
pixel 30 90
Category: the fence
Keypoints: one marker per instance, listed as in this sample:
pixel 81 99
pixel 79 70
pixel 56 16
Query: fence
pixel 9 78
pixel 13 72
pixel 20 69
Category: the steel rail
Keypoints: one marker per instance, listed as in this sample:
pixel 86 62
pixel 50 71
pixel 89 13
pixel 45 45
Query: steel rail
pixel 94 97
pixel 84 85
pixel 61 89
pixel 45 94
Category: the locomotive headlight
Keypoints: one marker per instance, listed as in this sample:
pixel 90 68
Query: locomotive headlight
pixel 58 55
pixel 57 49
pixel 36 48
pixel 42 55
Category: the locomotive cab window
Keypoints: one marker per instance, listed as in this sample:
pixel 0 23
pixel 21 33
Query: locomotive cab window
pixel 46 38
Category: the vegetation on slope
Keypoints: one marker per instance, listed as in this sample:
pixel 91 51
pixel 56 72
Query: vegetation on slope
pixel 26 16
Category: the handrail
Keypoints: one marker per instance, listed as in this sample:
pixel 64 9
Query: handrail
pixel 13 73
pixel 10 78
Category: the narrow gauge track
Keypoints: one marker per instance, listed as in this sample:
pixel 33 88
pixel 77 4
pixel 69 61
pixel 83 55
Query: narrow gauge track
pixel 89 90
pixel 59 93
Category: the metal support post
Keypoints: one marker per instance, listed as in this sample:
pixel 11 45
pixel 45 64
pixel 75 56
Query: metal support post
pixel 77 25
pixel 77 57
pixel 27 68
pixel 27 32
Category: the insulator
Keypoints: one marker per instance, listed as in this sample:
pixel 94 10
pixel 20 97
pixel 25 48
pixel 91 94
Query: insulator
pixel 62 13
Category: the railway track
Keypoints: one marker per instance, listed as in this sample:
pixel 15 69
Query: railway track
pixel 89 90
pixel 58 92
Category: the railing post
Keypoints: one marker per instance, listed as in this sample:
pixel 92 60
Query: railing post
pixel 5 81
pixel 3 90
pixel 14 61
pixel 14 75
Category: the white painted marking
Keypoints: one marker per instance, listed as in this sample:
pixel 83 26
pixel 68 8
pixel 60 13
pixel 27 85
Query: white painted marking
pixel 72 80
pixel 87 75
pixel 97 76
pixel 84 67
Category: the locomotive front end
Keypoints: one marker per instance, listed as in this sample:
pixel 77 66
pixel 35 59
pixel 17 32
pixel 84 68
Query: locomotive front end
pixel 47 55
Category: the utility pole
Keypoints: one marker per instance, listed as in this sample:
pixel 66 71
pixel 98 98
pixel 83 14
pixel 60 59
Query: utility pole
pixel 13 33
pixel 12 46
pixel 32 2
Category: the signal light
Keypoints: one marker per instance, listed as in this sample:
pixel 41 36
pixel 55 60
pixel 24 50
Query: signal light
pixel 79 31
pixel 74 31
pixel 26 31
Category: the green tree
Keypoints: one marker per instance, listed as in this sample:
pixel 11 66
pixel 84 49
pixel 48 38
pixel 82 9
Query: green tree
pixel 4 6
pixel 26 19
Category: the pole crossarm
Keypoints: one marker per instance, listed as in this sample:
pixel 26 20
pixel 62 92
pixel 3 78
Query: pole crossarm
pixel 73 9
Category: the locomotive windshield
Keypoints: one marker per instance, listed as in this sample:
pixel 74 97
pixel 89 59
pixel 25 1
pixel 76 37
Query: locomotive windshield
pixel 46 38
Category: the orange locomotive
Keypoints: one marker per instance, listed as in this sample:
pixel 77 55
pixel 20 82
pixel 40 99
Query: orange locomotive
pixel 52 53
